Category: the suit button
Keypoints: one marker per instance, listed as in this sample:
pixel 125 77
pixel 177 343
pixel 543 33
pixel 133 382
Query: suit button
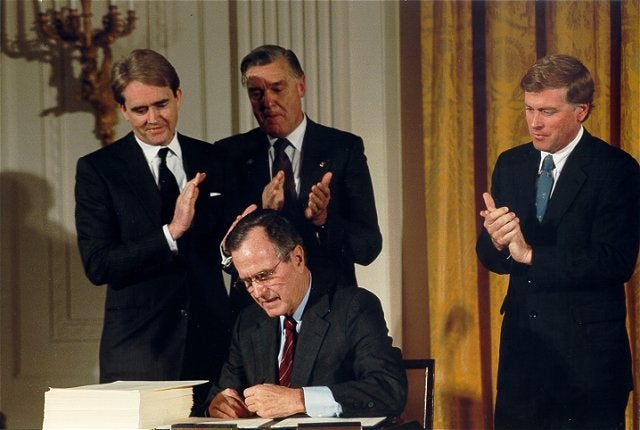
pixel 370 405
pixel 184 313
pixel 533 314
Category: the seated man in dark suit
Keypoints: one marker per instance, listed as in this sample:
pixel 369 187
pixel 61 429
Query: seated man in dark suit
pixel 305 345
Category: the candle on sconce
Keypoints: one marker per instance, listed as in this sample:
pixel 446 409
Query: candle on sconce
pixel 41 5
pixel 73 4
pixel 131 5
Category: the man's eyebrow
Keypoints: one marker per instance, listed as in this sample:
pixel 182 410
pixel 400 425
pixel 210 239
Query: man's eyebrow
pixel 262 272
pixel 541 107
pixel 162 101
pixel 267 271
pixel 265 83
pixel 157 102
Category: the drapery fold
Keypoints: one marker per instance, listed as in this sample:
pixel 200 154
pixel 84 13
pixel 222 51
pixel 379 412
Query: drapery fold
pixel 473 55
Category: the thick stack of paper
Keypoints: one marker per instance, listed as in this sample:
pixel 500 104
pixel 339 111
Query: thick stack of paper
pixel 118 405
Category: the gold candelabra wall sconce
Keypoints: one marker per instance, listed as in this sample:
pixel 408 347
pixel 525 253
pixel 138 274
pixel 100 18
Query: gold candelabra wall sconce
pixel 72 27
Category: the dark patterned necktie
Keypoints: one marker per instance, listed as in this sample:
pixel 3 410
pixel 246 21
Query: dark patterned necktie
pixel 543 186
pixel 282 162
pixel 169 190
pixel 286 364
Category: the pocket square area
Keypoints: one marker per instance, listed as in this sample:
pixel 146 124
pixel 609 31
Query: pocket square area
pixel 214 194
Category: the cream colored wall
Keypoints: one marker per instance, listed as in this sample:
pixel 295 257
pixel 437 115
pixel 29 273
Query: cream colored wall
pixel 50 316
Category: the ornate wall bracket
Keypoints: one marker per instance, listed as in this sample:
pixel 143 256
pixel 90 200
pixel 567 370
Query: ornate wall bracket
pixel 74 29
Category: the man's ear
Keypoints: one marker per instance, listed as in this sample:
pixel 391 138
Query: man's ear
pixel 583 111
pixel 297 254
pixel 179 97
pixel 302 86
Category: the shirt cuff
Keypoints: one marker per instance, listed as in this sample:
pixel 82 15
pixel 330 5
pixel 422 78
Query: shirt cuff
pixel 320 403
pixel 225 259
pixel 173 245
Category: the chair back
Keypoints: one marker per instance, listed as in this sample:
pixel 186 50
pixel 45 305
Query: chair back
pixel 428 364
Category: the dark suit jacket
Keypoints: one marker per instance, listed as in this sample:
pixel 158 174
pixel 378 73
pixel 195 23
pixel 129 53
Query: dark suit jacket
pixel 563 333
pixel 164 313
pixel 343 344
pixel 351 234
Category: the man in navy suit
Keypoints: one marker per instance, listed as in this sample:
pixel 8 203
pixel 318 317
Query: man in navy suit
pixel 565 360
pixel 167 313
pixel 333 203
pixel 343 361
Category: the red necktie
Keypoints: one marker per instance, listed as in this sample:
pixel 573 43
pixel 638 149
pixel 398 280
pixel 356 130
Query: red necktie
pixel 286 364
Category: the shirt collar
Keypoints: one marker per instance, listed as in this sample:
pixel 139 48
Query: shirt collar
pixel 151 151
pixel 562 154
pixel 297 315
pixel 296 137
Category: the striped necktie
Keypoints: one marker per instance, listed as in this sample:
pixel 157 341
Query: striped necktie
pixel 286 364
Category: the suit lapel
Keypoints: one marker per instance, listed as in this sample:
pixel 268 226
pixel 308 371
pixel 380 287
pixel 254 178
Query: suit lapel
pixel 524 175
pixel 136 173
pixel 256 164
pixel 193 158
pixel 315 160
pixel 265 340
pixel 312 333
pixel 190 156
pixel 570 181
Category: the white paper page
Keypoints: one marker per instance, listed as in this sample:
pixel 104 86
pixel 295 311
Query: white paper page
pixel 293 422
pixel 136 385
pixel 242 423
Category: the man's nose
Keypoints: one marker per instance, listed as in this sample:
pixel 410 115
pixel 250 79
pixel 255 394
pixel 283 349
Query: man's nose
pixel 256 285
pixel 152 114
pixel 268 99
pixel 535 120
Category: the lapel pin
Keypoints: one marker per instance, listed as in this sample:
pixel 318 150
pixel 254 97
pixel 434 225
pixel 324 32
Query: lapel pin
pixel 323 163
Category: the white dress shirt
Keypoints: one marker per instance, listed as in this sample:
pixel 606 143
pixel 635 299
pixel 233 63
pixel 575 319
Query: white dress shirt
pixel 175 164
pixel 560 158
pixel 293 151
